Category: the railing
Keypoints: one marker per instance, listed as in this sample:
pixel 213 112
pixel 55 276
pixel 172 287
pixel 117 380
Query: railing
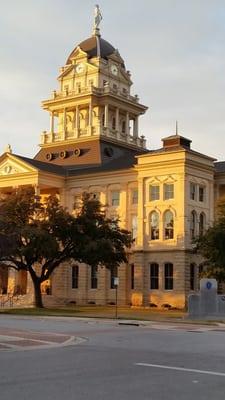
pixel 94 90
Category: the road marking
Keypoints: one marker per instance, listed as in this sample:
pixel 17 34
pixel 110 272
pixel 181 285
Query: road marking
pixel 199 371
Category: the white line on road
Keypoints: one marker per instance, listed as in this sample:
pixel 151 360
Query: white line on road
pixel 199 371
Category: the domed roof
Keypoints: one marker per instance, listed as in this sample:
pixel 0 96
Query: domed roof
pixel 94 46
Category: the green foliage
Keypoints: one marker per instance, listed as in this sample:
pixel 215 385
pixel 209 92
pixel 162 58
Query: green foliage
pixel 211 246
pixel 45 234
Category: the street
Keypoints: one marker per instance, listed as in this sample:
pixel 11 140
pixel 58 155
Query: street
pixel 68 358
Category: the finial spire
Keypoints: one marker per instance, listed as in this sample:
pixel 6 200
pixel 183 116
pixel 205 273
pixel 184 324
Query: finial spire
pixel 8 149
pixel 97 20
pixel 176 128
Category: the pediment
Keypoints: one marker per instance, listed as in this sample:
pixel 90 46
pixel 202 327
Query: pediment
pixel 10 165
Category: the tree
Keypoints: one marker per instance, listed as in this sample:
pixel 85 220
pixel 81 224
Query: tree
pixel 39 236
pixel 211 245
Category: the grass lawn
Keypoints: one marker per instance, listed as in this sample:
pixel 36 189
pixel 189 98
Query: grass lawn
pixel 100 312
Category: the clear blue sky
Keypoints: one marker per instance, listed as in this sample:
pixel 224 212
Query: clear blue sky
pixel 173 48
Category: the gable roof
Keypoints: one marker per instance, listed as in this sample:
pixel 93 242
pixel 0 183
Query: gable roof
pixel 43 166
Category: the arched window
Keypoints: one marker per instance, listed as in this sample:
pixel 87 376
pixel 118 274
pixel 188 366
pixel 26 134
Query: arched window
pixel 123 126
pixel 193 224
pixel 201 224
pixel 168 225
pixel 134 227
pixel 113 123
pixel 154 226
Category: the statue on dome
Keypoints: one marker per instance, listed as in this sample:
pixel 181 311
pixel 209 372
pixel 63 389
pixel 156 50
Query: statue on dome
pixel 97 18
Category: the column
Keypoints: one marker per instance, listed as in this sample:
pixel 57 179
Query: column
pixel 52 122
pixel 64 124
pixel 117 122
pixel 106 116
pixel 90 118
pixel 127 124
pixel 135 131
pixel 77 122
pixel 141 202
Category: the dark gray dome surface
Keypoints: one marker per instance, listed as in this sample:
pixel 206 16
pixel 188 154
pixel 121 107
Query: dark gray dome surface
pixel 90 47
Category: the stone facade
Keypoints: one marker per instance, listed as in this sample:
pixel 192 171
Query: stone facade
pixel 165 196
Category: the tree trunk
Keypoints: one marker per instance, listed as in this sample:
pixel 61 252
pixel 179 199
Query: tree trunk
pixel 37 293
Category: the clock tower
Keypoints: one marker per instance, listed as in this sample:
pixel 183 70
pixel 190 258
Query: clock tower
pixel 93 105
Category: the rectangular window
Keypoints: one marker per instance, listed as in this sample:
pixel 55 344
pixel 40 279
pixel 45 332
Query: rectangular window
pixel 154 192
pixel 75 276
pixel 168 276
pixel 168 191
pixel 193 189
pixel 115 198
pixel 132 276
pixel 134 227
pixel 78 87
pixel 192 277
pixel 94 279
pixel 135 196
pixel 91 82
pixel 201 193
pixel 154 276
pixel 114 274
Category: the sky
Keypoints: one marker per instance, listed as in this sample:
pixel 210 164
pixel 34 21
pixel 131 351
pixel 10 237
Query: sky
pixel 173 48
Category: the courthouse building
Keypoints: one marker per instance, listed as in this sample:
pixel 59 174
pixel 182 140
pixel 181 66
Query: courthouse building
pixel 165 196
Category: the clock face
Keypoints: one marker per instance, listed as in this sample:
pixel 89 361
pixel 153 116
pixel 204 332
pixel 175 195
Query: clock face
pixel 114 69
pixel 79 68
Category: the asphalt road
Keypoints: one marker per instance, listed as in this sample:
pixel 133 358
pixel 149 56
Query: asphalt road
pixel 111 361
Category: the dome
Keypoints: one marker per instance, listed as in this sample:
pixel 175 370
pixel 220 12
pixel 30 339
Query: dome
pixel 94 46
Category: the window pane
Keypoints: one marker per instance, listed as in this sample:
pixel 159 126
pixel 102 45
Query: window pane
pixel 94 279
pixel 75 276
pixel 115 198
pixel 168 276
pixel 193 188
pixel 154 276
pixel 168 225
pixel 192 277
pixel 154 226
pixel 134 228
pixel 154 192
pixel 134 196
pixel 193 224
pixel 168 191
pixel 201 193
pixel 201 224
